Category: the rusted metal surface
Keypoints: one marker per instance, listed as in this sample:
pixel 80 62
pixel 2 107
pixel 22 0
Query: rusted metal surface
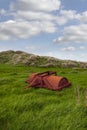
pixel 48 80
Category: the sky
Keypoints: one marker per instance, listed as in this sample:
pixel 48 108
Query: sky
pixel 56 28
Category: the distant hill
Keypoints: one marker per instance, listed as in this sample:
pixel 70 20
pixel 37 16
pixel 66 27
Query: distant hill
pixel 23 58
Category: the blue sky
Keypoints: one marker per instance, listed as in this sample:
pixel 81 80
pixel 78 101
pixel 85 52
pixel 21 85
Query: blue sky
pixel 56 28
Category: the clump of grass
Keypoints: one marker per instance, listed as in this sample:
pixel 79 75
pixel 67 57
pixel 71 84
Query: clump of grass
pixel 78 95
pixel 86 98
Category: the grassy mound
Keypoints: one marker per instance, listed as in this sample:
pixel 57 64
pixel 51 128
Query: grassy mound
pixel 42 109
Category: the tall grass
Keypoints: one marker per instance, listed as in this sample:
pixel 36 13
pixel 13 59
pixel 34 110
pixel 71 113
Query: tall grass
pixel 42 109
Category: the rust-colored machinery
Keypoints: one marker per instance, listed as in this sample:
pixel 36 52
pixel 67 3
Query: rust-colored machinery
pixel 48 79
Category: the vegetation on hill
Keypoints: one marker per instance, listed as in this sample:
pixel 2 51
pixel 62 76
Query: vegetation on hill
pixel 23 58
pixel 42 109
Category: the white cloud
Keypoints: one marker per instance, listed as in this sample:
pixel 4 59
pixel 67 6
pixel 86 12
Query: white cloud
pixel 82 47
pixel 28 23
pixel 24 29
pixel 61 18
pixel 2 12
pixel 32 15
pixel 30 18
pixel 3 48
pixel 82 17
pixel 74 33
pixel 37 10
pixel 65 16
pixel 70 48
pixel 68 14
pixel 84 55
pixel 50 54
pixel 37 5
pixel 32 48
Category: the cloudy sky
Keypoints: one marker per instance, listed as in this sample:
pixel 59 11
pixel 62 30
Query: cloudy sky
pixel 55 28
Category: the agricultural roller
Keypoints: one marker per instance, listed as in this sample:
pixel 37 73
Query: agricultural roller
pixel 49 80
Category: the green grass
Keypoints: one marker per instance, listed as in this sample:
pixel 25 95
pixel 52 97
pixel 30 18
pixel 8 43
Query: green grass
pixel 42 109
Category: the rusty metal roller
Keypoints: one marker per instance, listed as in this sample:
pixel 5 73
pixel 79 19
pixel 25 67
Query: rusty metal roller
pixel 48 79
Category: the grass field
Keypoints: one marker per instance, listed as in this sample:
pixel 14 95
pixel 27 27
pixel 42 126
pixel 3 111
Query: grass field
pixel 42 109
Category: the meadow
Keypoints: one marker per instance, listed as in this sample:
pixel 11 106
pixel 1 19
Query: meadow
pixel 42 109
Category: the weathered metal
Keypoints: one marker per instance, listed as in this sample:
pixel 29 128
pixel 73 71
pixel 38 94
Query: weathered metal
pixel 48 79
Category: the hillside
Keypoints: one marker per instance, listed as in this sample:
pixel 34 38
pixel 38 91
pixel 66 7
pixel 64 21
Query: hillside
pixel 23 58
